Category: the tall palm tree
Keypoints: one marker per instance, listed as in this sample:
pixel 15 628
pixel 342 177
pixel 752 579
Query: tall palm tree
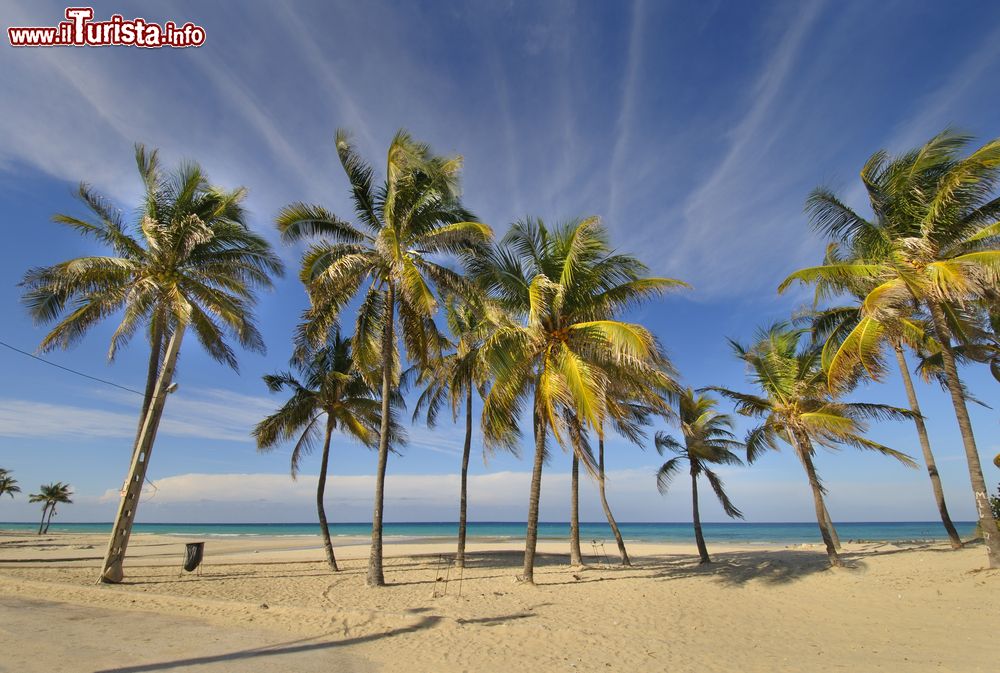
pixel 451 381
pixel 50 495
pixel 410 222
pixel 188 259
pixel 328 394
pixel 708 440
pixel 852 345
pixel 797 407
pixel 565 287
pixel 937 248
pixel 8 484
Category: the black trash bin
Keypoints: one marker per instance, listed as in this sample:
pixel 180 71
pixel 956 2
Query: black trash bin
pixel 193 554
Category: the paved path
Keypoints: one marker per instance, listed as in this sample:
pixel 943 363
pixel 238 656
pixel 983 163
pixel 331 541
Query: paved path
pixel 47 637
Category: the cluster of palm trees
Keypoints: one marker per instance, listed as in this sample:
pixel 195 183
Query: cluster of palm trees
pixel 535 324
pixel 48 494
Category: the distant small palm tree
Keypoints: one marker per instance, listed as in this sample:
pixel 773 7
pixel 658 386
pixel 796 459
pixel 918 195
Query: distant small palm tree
pixel 50 494
pixel 708 439
pixel 8 484
pixel 328 386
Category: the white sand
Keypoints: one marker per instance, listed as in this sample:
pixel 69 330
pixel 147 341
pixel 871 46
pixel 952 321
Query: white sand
pixel 755 609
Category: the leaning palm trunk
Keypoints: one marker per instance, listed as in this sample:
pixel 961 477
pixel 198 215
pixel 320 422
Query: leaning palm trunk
pixel 321 493
pixel 48 519
pixel 575 557
pixel 699 537
pixel 375 576
pixel 607 508
pixel 828 522
pixel 41 524
pixel 152 369
pixel 531 536
pixel 817 492
pixel 112 569
pixel 463 497
pixel 987 523
pixel 925 446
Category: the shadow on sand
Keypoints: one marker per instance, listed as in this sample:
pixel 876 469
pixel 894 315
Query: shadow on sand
pixel 253 656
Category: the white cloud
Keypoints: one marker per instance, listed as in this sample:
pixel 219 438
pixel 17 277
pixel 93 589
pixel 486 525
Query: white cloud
pixel 503 496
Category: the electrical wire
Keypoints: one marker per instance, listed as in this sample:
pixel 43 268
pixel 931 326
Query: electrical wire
pixel 71 371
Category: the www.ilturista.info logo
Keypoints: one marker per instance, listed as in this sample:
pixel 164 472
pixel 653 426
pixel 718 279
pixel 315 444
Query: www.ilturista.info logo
pixel 79 30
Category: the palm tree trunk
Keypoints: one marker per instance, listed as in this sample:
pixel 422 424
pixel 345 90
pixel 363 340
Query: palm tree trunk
pixel 925 446
pixel 152 369
pixel 531 536
pixel 987 523
pixel 575 557
pixel 48 519
pixel 607 508
pixel 375 576
pixel 463 496
pixel 828 522
pixel 321 492
pixel 41 524
pixel 699 538
pixel 817 492
pixel 112 569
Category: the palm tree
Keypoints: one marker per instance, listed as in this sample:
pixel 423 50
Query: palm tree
pixel 410 221
pixel 797 407
pixel 452 379
pixel 937 248
pixel 187 260
pixel 852 345
pixel 565 286
pixel 328 394
pixel 50 495
pixel 708 440
pixel 8 484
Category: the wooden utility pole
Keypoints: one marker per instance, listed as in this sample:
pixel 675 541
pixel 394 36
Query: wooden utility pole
pixel 112 570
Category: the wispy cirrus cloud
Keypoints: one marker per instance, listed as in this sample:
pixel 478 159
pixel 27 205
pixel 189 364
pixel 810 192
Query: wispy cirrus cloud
pixel 211 414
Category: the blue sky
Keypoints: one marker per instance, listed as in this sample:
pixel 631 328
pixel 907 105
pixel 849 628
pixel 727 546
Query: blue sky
pixel 694 129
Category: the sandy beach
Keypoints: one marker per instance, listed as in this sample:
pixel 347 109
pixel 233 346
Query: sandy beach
pixel 270 602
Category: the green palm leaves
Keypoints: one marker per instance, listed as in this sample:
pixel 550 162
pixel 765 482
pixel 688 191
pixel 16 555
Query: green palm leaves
pixel 564 288
pixel 408 223
pixel 796 405
pixel 188 257
pixel 8 484
pixel 326 390
pixel 708 439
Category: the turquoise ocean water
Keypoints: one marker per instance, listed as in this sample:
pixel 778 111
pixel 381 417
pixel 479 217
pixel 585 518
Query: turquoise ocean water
pixel 784 533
